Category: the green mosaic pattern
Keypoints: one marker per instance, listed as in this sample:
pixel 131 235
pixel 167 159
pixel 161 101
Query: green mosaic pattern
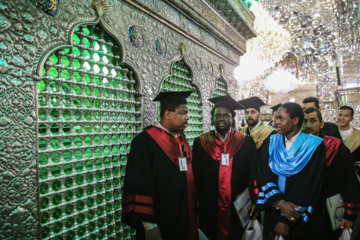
pixel 88 112
pixel 181 80
pixel 221 88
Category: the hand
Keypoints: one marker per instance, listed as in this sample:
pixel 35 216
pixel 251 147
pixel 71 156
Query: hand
pixel 253 213
pixel 282 229
pixel 153 234
pixel 346 223
pixel 287 208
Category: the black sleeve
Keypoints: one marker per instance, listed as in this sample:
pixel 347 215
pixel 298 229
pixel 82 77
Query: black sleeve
pixel 196 159
pixel 349 184
pixel 138 195
pixel 252 163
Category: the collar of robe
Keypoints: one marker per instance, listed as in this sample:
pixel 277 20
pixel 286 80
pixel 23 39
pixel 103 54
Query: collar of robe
pixel 288 163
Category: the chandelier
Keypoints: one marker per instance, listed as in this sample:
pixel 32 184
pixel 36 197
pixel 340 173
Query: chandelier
pixel 281 81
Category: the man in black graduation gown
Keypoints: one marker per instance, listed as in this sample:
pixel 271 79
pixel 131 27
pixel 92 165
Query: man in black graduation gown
pixel 223 168
pixel 340 178
pixel 255 127
pixel 291 166
pixel 349 135
pixel 329 129
pixel 158 198
pixel 274 110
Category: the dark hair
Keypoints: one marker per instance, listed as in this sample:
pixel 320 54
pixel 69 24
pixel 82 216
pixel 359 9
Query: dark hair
pixel 312 99
pixel 347 108
pixel 213 111
pixel 171 108
pixel 310 110
pixel 294 110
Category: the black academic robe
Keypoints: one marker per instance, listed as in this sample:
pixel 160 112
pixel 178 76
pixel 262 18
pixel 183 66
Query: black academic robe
pixel 303 189
pixel 330 129
pixel 206 174
pixel 155 190
pixel 356 159
pixel 268 137
pixel 340 178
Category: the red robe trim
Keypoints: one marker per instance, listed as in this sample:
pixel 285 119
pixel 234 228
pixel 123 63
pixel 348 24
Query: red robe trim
pixel 332 145
pixel 170 146
pixel 214 148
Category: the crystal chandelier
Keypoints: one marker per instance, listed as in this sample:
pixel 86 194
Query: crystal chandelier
pixel 281 82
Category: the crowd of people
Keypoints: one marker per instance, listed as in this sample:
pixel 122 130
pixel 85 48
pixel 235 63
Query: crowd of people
pixel 291 169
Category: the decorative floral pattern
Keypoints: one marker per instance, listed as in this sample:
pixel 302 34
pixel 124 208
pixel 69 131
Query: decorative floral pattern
pixel 49 7
pixel 136 36
pixel 160 47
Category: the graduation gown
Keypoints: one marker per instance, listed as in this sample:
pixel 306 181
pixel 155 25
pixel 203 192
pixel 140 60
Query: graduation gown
pixel 330 129
pixel 218 185
pixel 155 190
pixel 302 188
pixel 352 142
pixel 260 135
pixel 340 177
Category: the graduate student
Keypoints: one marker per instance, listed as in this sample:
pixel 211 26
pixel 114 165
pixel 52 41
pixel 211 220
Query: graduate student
pixel 291 172
pixel 223 162
pixel 340 178
pixel 159 189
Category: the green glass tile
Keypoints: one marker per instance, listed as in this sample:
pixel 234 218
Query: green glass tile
pixel 90 178
pixel 96 57
pixel 99 199
pixel 97 104
pixel 55 143
pixel 123 160
pixel 105 82
pixel 78 141
pixel 97 127
pixel 79 180
pixel 68 182
pixel 70 223
pixel 54 101
pixel 108 184
pixel 42 129
pixel 65 86
pixel 121 85
pixel 56 171
pixel 90 191
pixel 97 140
pixel 57 199
pixel 54 128
pixel 77 102
pixel 76 64
pixel 96 46
pixel 96 68
pixel 87 91
pixel 115 150
pixel 87 66
pixel 67 142
pixel 69 196
pixel 88 128
pixel 45 232
pixel 76 39
pixel 107 162
pixel 97 116
pixel 77 90
pixel 105 49
pixel 91 227
pixel 77 115
pixel 86 31
pixel 89 165
pixel 54 59
pixel 56 186
pixel 67 156
pixel 87 78
pixel 98 152
pixel 68 169
pixel 113 74
pixel 122 138
pixel 115 161
pixel 106 116
pixel 44 188
pixel 53 72
pixel 117 205
pixel 79 167
pixel 117 194
pixel 80 219
pixel 78 154
pixel 97 92
pixel 76 52
pixel 54 86
pixel 87 103
pixel 79 193
pixel 80 206
pixel 129 127
pixel 86 42
pixel 78 128
pixel 66 128
pixel 105 60
pixel 42 99
pixel 98 164
pixel 77 76
pixel 99 177
pixel 105 71
pixel 106 105
pixel 114 139
pixel 122 97
pixel 97 80
pixel 106 127
pixel 113 94
pixel 70 208
pixel 66 101
pixel 88 153
pixel 129 138
pixel 57 213
pixel 116 183
pixel 116 172
pixel 66 115
pixel 122 149
pixel 106 139
pixel 43 174
pixel 105 93
pixel 122 127
pixel 86 54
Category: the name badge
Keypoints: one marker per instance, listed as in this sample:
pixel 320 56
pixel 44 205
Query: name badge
pixel 183 164
pixel 225 159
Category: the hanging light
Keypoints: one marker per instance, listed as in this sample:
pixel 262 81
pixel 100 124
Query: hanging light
pixel 281 82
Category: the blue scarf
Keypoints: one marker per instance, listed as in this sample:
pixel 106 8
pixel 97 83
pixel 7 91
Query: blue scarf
pixel 288 163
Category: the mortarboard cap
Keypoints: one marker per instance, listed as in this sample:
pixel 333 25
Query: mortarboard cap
pixel 227 102
pixel 176 98
pixel 252 102
pixel 276 107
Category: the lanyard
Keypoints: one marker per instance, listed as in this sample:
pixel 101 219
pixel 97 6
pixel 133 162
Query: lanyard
pixel 179 142
pixel 225 142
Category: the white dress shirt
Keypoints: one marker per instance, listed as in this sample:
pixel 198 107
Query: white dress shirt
pixel 345 133
pixel 221 138
pixel 289 143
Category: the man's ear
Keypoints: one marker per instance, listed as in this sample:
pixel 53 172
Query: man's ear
pixel 322 124
pixel 295 121
pixel 167 114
